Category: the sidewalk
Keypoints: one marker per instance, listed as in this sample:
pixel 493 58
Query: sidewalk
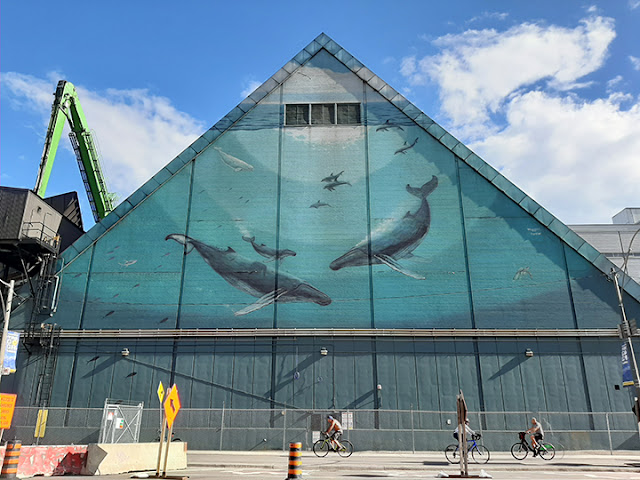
pixel 622 461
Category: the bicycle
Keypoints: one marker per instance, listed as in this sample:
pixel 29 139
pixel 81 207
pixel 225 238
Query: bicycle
pixel 322 447
pixel 479 453
pixel 521 449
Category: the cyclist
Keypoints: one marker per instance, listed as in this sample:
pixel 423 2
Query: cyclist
pixel 334 431
pixel 537 434
pixel 470 432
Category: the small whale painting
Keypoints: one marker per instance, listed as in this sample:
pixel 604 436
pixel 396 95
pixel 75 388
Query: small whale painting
pixel 269 253
pixel 232 162
pixel 332 186
pixel 388 126
pixel 332 177
pixel 403 149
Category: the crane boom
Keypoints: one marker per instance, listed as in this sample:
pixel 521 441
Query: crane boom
pixel 67 106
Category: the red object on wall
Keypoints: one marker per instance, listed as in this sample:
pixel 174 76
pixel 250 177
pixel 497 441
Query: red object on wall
pixel 51 460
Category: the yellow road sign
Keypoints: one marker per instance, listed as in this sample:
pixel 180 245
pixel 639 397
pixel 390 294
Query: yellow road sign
pixel 172 405
pixel 160 392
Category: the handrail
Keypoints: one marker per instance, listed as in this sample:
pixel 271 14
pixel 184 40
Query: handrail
pixel 42 233
pixel 97 334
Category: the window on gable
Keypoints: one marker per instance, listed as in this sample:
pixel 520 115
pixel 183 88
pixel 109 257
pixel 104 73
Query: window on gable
pixel 323 113
pixel 297 114
pixel 349 113
pixel 300 114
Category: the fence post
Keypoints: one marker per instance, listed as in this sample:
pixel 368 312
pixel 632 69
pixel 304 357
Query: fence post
pixel 221 425
pixel 413 436
pixel 284 430
pixel 609 434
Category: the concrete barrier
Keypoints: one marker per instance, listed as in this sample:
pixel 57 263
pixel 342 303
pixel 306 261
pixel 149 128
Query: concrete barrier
pixel 113 458
pixel 50 460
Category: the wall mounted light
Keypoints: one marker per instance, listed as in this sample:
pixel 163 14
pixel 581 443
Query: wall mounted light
pixel 528 352
pixel 379 387
pixel 323 351
pixel 125 352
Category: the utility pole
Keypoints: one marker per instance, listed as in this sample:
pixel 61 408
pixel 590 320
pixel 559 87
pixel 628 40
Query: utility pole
pixel 5 328
pixel 626 331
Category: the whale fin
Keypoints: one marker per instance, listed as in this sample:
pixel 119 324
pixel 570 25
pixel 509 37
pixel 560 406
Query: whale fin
pixel 392 264
pixel 184 240
pixel 249 239
pixel 425 189
pixel 262 302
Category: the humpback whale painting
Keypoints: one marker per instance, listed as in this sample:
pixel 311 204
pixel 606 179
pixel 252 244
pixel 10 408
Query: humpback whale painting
pixel 251 277
pixel 390 244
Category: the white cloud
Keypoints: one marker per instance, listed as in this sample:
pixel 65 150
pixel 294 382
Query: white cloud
pixel 511 96
pixel 489 16
pixel 633 4
pixel 635 61
pixel 478 69
pixel 614 82
pixel 137 133
pixel 578 158
pixel 250 88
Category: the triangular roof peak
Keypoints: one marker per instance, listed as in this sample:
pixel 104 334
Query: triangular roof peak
pixel 324 42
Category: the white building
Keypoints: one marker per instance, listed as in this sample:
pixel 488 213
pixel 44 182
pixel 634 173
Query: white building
pixel 618 241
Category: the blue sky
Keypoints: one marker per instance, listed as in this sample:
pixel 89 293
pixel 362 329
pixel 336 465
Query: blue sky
pixel 548 92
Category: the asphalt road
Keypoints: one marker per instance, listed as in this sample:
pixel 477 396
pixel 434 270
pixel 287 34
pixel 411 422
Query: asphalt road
pixel 403 465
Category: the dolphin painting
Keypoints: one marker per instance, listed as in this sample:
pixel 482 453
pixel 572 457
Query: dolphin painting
pixel 403 149
pixel 332 186
pixel 332 177
pixel 319 204
pixel 270 253
pixel 389 245
pixel 232 162
pixel 387 125
pixel 254 278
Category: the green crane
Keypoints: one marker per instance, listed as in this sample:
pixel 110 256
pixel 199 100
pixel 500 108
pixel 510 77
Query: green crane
pixel 67 106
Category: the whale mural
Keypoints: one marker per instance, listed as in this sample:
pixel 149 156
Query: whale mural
pixel 388 245
pixel 254 278
pixel 270 253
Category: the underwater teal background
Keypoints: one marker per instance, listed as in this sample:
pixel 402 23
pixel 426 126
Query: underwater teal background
pixel 485 262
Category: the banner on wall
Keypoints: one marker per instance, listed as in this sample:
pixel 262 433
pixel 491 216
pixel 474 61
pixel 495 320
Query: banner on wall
pixel 627 377
pixel 10 353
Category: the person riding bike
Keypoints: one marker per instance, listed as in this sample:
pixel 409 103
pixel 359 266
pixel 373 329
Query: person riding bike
pixel 537 434
pixel 334 432
pixel 470 432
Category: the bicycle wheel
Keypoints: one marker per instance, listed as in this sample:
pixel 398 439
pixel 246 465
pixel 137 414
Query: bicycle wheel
pixel 480 454
pixel 519 451
pixel 347 448
pixel 451 452
pixel 547 451
pixel 321 448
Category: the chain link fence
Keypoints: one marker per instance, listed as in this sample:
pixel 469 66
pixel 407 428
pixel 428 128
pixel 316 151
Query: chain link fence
pixel 404 430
